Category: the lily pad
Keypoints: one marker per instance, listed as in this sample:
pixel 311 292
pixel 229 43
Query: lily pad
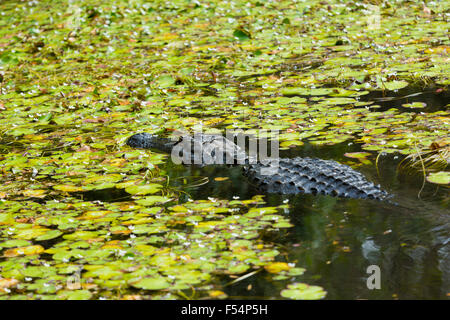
pixel 144 189
pixel 414 105
pixel 158 283
pixel 151 200
pixel 302 291
pixel 441 177
pixel 395 85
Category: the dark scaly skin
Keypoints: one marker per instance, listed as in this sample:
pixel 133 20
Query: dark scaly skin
pixel 316 176
pixel 149 141
pixel 285 176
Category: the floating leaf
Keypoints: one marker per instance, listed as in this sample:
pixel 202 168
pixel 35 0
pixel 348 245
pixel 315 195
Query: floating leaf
pixel 415 105
pixel 95 214
pixel 395 85
pixel 6 218
pixel 30 250
pixel 144 189
pixel 81 235
pixel 441 177
pixel 241 34
pixel 217 294
pixel 152 283
pixel 292 91
pixel 49 235
pixel 67 188
pixel 336 101
pixel 31 233
pixel 357 155
pixel 302 291
pixel 151 200
pixel 238 268
pixel 75 294
pixel 21 131
pixel 290 143
pixel 34 193
pixel 7 283
pixel 277 267
pixel 165 81
pixel 221 178
pixel 14 243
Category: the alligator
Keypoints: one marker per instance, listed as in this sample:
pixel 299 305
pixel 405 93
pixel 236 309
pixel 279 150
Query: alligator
pixel 272 175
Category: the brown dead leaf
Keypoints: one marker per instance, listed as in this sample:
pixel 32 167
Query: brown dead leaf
pixel 7 283
pixel 95 120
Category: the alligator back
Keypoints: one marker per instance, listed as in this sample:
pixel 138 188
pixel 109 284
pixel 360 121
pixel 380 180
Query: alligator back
pixel 316 176
pixel 206 149
pixel 286 176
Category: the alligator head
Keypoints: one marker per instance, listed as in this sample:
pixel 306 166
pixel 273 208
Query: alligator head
pixel 148 141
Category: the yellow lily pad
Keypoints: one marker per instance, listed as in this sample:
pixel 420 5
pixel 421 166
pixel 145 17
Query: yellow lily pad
pixel 27 251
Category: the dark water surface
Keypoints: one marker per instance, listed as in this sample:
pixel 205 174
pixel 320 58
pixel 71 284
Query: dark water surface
pixel 337 239
pixel 434 99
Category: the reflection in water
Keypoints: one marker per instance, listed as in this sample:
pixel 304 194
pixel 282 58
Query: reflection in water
pixel 337 239
pixel 435 100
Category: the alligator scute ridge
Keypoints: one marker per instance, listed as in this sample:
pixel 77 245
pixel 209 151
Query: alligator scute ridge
pixel 286 175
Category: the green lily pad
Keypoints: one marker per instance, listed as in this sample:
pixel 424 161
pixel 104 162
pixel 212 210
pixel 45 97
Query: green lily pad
pixel 242 34
pixel 144 189
pixel 151 200
pixel 302 291
pixel 152 283
pixel 293 91
pixel 6 218
pixel 165 81
pixel 49 235
pixel 441 177
pixel 395 85
pixel 415 105
pixel 75 294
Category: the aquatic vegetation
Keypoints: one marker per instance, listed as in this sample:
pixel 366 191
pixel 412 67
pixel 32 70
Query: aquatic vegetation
pixel 83 216
pixel 431 162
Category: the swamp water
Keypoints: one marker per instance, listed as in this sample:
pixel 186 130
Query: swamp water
pixel 337 239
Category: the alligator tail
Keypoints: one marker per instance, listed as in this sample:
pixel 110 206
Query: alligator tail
pixel 316 176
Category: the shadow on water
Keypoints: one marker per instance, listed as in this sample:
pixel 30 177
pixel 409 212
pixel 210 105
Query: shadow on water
pixel 435 99
pixel 336 239
pixel 106 195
